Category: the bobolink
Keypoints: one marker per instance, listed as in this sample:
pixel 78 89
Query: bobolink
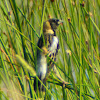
pixel 49 44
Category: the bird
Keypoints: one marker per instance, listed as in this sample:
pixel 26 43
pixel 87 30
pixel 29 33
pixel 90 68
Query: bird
pixel 49 45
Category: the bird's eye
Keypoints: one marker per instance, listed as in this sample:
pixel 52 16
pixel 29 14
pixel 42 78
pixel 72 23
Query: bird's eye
pixel 54 20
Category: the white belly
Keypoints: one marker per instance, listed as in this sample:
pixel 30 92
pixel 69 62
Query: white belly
pixel 53 46
pixel 42 66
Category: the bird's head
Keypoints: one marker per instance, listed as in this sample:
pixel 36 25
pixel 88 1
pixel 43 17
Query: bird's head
pixel 51 25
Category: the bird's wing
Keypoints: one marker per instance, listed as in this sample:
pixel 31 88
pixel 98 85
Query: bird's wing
pixel 40 44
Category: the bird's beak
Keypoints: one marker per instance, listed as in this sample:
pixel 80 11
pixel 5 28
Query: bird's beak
pixel 60 22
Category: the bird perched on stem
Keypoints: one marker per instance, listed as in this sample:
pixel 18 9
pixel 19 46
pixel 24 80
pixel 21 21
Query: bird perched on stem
pixel 49 45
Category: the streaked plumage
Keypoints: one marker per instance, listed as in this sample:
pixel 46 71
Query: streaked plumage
pixel 49 43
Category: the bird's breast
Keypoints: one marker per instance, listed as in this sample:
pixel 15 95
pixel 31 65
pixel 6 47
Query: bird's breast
pixel 54 45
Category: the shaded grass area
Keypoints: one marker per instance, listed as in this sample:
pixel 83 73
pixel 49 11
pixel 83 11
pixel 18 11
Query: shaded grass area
pixel 78 60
